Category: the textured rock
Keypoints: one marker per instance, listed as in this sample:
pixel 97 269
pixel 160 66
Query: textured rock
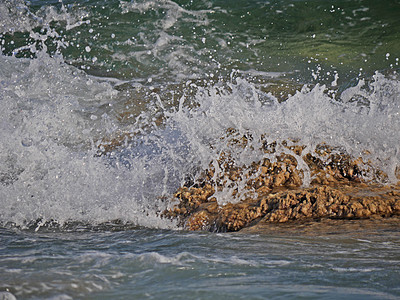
pixel 272 192
pixel 284 206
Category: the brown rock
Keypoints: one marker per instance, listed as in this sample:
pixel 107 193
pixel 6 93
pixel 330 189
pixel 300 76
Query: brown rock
pixel 272 190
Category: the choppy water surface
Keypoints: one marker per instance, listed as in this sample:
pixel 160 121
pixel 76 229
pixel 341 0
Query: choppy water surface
pixel 107 107
pixel 159 264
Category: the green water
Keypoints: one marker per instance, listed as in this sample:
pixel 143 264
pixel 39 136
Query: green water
pixel 185 39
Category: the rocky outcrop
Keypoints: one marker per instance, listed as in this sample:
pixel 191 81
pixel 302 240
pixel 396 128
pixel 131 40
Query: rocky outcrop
pixel 198 210
pixel 272 192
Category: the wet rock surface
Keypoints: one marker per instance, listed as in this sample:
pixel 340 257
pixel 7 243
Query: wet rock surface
pixel 198 212
pixel 272 192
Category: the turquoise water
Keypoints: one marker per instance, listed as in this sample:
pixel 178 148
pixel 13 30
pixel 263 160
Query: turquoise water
pixel 163 264
pixel 107 107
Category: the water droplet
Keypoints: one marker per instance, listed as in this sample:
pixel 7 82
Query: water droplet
pixel 26 142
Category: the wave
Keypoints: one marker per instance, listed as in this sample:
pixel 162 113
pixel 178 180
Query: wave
pixel 83 143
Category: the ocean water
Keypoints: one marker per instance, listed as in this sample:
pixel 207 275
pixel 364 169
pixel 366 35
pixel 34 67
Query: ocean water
pixel 148 263
pixel 107 107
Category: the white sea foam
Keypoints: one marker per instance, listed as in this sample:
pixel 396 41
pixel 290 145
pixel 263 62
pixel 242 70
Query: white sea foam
pixel 52 113
pixel 7 296
pixel 16 16
pixel 47 170
pixel 173 11
pixel 311 116
pixel 54 118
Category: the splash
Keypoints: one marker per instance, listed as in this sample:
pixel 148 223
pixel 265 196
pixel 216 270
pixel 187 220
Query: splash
pixel 49 170
pixel 83 143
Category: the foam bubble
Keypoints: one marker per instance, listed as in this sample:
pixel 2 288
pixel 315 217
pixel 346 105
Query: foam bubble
pixel 364 119
pixel 17 16
pixel 49 170
pixel 91 149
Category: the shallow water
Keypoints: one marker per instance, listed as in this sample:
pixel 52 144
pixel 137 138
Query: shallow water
pixel 158 264
pixel 107 107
